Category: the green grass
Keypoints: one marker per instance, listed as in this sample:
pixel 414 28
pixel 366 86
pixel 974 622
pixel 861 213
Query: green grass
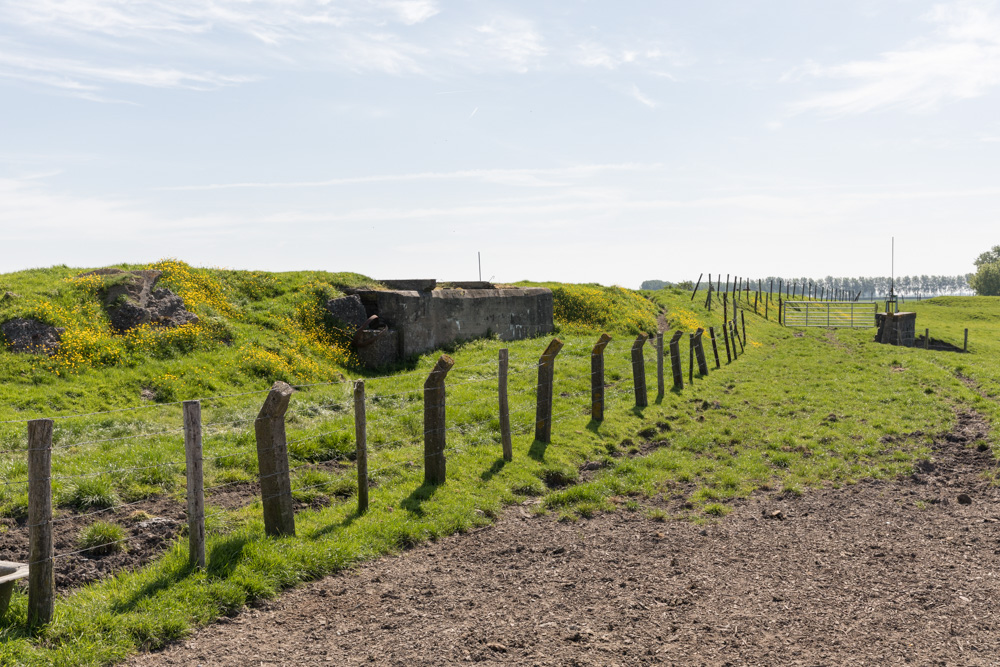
pixel 793 413
pixel 101 538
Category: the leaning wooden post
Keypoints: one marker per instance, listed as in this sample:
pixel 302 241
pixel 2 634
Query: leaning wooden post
pixel 41 572
pixel 543 403
pixel 675 360
pixel 505 442
pixel 715 347
pixel 639 372
pixel 434 421
pixel 700 275
pixel 195 483
pixel 699 352
pixel 660 388
pixel 597 378
pixel 736 335
pixel 743 320
pixel 361 444
pixel 965 345
pixel 272 459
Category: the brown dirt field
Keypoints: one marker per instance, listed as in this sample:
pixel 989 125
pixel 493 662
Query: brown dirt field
pixel 878 573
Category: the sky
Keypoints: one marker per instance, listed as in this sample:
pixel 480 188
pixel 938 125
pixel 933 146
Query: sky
pixel 570 140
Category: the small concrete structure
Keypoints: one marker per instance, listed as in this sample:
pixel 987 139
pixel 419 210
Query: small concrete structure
pixel 896 328
pixel 9 574
pixel 414 321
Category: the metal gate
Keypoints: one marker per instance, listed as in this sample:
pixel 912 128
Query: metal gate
pixel 849 314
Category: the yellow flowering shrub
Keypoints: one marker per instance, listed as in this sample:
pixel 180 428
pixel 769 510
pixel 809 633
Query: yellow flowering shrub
pixel 606 308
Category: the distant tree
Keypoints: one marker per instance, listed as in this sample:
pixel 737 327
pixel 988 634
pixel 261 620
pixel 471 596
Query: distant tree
pixel 991 256
pixel 654 284
pixel 685 285
pixel 986 280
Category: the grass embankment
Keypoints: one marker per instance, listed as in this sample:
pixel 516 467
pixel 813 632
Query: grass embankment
pixel 793 412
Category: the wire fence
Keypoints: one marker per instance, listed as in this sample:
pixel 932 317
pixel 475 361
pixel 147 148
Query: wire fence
pixel 239 452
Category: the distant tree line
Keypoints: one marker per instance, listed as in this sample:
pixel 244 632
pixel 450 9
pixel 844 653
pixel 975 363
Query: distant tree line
pixel 986 279
pixel 904 285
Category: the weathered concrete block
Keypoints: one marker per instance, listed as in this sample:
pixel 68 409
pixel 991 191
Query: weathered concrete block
pixel 414 284
pixel 348 311
pixel 31 336
pixel 426 321
pixel 378 348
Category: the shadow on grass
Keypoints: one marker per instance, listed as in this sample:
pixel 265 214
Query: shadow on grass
pixel 160 582
pixel 537 450
pixel 639 412
pixel 413 503
pixel 594 426
pixel 225 555
pixel 493 470
pixel 343 523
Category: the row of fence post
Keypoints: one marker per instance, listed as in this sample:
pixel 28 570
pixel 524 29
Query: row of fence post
pixel 272 446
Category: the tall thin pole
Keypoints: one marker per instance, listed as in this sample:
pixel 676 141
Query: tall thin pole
pixel 479 256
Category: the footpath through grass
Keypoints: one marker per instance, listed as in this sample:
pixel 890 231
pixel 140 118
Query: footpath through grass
pixel 798 409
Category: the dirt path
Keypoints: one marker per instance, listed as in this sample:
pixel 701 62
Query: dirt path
pixel 880 573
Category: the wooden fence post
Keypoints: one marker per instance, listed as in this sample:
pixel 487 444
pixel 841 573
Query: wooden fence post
pixel 434 421
pixel 690 358
pixel 700 275
pixel 965 345
pixel 715 347
pixel 725 336
pixel 639 372
pixel 505 441
pixel 195 483
pixel 361 444
pixel 736 334
pixel 780 309
pixel 675 360
pixel 699 351
pixel 41 571
pixel 272 461
pixel 546 378
pixel 597 378
pixel 660 389
pixel 743 320
pixel 927 339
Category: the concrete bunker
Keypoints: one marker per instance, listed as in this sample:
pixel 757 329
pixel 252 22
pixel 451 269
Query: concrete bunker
pixel 416 316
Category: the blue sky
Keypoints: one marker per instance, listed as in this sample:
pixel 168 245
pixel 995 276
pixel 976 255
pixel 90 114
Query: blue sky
pixel 568 140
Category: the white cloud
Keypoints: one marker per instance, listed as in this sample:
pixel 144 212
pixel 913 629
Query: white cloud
pixel 641 98
pixel 85 79
pixel 522 177
pixel 513 41
pixel 959 60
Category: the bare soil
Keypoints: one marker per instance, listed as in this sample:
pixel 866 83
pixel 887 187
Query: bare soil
pixel 879 573
pixel 150 528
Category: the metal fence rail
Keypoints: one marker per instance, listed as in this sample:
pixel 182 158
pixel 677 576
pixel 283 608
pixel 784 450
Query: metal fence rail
pixel 843 314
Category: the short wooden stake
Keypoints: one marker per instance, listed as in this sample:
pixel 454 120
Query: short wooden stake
pixel 272 460
pixel 597 378
pixel 699 352
pixel 505 441
pixel 660 387
pixel 675 360
pixel 195 483
pixel 965 345
pixel 434 421
pixel 361 444
pixel 639 372
pixel 715 347
pixel 41 572
pixel 927 339
pixel 546 379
